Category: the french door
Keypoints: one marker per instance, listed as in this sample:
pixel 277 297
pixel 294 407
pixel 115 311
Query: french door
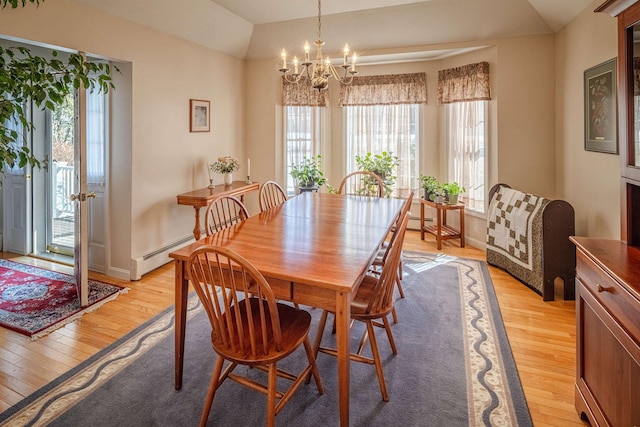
pixel 59 210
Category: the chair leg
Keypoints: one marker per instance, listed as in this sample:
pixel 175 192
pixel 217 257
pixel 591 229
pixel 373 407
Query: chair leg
pixel 387 327
pixel 213 386
pixel 271 395
pixel 377 361
pixel 319 332
pixel 314 365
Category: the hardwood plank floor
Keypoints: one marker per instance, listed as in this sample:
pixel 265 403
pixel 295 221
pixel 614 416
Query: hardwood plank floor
pixel 542 336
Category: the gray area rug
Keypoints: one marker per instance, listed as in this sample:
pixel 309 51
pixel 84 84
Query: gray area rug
pixel 454 368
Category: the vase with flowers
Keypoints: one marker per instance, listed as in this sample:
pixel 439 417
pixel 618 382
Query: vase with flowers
pixel 226 165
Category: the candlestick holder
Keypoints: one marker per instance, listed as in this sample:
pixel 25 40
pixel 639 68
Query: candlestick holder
pixel 249 180
pixel 211 184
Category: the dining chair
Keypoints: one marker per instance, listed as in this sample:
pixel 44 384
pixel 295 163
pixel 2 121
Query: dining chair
pixel 249 327
pixel 271 194
pixel 372 303
pixel 383 252
pixel 362 183
pixel 224 212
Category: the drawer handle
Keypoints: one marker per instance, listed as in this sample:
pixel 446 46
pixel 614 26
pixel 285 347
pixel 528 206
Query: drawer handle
pixel 602 288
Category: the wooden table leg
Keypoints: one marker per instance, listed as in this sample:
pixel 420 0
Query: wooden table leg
pixel 421 221
pixel 196 229
pixel 439 228
pixel 343 319
pixel 181 291
pixel 461 227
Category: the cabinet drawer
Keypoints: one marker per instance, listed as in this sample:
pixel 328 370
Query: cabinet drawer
pixel 613 297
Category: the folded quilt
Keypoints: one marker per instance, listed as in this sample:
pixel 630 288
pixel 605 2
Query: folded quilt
pixel 510 223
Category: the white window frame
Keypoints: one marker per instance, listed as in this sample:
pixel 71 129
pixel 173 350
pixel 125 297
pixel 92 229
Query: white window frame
pixel 311 119
pixel 457 169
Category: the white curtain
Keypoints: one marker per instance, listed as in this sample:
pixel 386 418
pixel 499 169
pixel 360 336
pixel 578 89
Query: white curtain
pixel 302 137
pixel 96 137
pixel 391 128
pixel 465 130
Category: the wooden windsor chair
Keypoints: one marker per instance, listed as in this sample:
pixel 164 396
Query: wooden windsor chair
pixel 224 212
pixel 249 327
pixel 271 194
pixel 362 183
pixel 373 301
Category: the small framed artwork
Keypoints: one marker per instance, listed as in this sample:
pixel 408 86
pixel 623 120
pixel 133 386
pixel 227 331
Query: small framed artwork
pixel 199 115
pixel 600 108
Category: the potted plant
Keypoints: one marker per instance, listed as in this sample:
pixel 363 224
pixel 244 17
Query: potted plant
pixel 225 165
pixel 382 164
pixel 307 174
pixel 452 191
pixel 430 184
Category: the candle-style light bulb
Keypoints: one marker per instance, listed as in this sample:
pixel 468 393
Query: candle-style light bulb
pixel 306 51
pixel 295 65
pixel 346 53
pixel 284 58
pixel 353 62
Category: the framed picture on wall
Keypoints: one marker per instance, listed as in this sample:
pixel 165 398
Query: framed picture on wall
pixel 199 115
pixel 600 108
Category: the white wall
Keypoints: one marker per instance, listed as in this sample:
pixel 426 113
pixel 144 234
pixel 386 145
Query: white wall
pixel 588 180
pixel 154 156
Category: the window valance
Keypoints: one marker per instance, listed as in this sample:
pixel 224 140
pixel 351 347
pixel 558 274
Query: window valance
pixel 467 83
pixel 385 90
pixel 302 94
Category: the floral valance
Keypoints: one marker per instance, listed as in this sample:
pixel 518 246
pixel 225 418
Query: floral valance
pixel 302 94
pixel 466 83
pixel 385 90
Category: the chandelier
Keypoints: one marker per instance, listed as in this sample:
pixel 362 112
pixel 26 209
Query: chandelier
pixel 319 71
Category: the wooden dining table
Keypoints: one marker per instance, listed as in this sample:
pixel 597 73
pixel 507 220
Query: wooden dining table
pixel 314 250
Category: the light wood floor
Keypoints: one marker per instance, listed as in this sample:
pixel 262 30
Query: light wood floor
pixel 541 334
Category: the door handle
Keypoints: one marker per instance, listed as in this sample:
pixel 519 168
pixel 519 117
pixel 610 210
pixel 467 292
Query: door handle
pixel 83 196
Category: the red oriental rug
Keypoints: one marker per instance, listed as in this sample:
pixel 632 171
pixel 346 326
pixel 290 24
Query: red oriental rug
pixel 35 301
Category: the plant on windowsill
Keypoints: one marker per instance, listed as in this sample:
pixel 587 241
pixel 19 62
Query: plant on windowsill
pixel 383 165
pixel 308 174
pixel 452 191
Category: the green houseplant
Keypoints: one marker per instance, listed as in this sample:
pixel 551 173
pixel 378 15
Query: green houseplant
pixel 45 82
pixel 430 185
pixel 382 164
pixel 452 191
pixel 308 174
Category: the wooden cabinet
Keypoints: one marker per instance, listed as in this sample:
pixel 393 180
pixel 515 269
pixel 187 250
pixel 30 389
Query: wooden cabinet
pixel 608 332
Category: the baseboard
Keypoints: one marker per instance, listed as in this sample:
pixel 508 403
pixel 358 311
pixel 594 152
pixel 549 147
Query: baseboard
pixel 149 262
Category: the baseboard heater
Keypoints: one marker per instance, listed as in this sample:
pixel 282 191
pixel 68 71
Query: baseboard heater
pixel 149 262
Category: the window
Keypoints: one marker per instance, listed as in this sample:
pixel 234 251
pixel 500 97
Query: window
pixel 466 136
pixel 391 128
pixel 302 137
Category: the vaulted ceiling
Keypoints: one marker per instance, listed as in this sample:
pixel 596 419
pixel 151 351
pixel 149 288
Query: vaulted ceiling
pixel 261 28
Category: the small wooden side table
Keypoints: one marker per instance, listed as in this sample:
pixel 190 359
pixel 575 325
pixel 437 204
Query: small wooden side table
pixel 202 197
pixel 441 230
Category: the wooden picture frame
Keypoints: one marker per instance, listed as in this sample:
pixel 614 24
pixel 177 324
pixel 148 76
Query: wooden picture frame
pixel 199 115
pixel 600 108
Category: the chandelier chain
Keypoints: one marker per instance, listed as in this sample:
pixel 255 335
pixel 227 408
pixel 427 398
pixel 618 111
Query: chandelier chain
pixel 319 20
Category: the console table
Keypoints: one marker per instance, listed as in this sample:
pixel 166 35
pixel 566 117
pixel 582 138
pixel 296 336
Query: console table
pixel 441 230
pixel 202 197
